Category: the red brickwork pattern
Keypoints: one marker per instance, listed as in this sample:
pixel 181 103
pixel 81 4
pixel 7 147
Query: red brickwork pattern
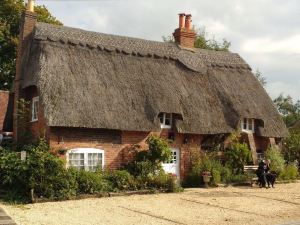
pixel 4 97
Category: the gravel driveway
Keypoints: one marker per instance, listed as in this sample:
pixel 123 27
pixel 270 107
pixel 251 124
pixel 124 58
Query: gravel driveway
pixel 224 205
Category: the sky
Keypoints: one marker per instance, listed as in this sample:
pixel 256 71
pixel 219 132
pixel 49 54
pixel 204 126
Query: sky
pixel 266 33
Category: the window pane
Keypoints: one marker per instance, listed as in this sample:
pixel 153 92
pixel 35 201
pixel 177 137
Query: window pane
pixel 161 118
pixel 245 124
pixel 168 121
pixel 76 160
pixel 250 124
pixel 94 160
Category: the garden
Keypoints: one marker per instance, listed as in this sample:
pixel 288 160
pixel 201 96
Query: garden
pixel 43 176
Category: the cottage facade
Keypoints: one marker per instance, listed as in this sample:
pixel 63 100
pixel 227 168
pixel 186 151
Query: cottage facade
pixel 97 95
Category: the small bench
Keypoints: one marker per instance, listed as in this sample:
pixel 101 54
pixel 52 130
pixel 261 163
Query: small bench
pixel 250 172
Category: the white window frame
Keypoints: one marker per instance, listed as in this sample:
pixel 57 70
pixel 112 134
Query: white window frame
pixel 34 109
pixel 248 122
pixel 85 151
pixel 163 125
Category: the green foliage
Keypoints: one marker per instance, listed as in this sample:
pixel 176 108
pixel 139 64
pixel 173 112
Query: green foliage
pixel 290 172
pixel 159 150
pixel 10 12
pixel 148 162
pixel 262 80
pixel 289 110
pixel 43 175
pixel 23 113
pixel 164 181
pixel 91 182
pixel 202 41
pixel 291 147
pixel 194 177
pixel 237 156
pixel 41 172
pixel 237 178
pixel 276 160
pixel 121 180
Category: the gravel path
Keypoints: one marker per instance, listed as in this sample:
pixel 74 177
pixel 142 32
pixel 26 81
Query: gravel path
pixel 224 205
pixel 5 219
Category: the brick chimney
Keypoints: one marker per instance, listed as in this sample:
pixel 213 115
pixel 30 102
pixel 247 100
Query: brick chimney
pixel 28 21
pixel 185 35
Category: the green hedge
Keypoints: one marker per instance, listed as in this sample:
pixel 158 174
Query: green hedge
pixel 44 175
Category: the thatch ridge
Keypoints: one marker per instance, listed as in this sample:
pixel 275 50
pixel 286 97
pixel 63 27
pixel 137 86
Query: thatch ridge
pixel 93 80
pixel 197 60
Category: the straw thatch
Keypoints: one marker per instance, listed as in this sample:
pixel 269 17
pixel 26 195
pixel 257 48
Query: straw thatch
pixel 94 80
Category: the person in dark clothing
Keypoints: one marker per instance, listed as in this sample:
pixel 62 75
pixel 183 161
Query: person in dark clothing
pixel 263 168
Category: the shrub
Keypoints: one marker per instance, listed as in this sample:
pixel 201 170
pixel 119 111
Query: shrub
pixel 165 181
pixel 226 174
pixel 290 172
pixel 121 180
pixel 237 156
pixel 41 174
pixel 276 160
pixel 291 147
pixel 238 178
pixel 194 177
pixel 91 182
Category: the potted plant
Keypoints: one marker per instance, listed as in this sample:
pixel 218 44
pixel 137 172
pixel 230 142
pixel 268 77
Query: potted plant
pixel 206 177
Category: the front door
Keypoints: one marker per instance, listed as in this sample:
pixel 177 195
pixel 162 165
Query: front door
pixel 172 166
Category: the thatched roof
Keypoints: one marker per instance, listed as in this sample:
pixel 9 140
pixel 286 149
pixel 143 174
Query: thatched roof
pixel 95 80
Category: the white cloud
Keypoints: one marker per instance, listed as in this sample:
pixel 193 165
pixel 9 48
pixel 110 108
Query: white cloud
pixel 288 45
pixel 276 88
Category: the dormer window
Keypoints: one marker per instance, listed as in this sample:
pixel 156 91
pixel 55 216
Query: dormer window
pixel 34 109
pixel 247 125
pixel 165 120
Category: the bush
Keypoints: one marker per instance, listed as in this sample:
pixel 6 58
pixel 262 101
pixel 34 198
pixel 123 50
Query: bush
pixel 121 180
pixel 165 181
pixel 290 172
pixel 91 182
pixel 276 160
pixel 237 156
pixel 146 166
pixel 42 174
pixel 194 177
pixel 238 178
pixel 291 147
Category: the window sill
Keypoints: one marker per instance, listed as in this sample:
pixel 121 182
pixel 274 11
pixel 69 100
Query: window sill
pixel 165 127
pixel 248 131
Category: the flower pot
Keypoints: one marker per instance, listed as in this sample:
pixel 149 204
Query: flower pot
pixel 206 178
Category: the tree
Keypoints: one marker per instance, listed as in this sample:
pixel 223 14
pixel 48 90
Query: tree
pixel 289 111
pixel 262 80
pixel 10 12
pixel 291 147
pixel 202 41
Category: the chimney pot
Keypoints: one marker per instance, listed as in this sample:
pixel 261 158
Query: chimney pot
pixel 188 21
pixel 181 20
pixel 30 5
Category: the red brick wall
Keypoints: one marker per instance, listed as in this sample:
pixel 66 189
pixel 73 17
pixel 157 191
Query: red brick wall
pixel 116 144
pixel 28 21
pixel 262 143
pixel 4 97
pixel 39 128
